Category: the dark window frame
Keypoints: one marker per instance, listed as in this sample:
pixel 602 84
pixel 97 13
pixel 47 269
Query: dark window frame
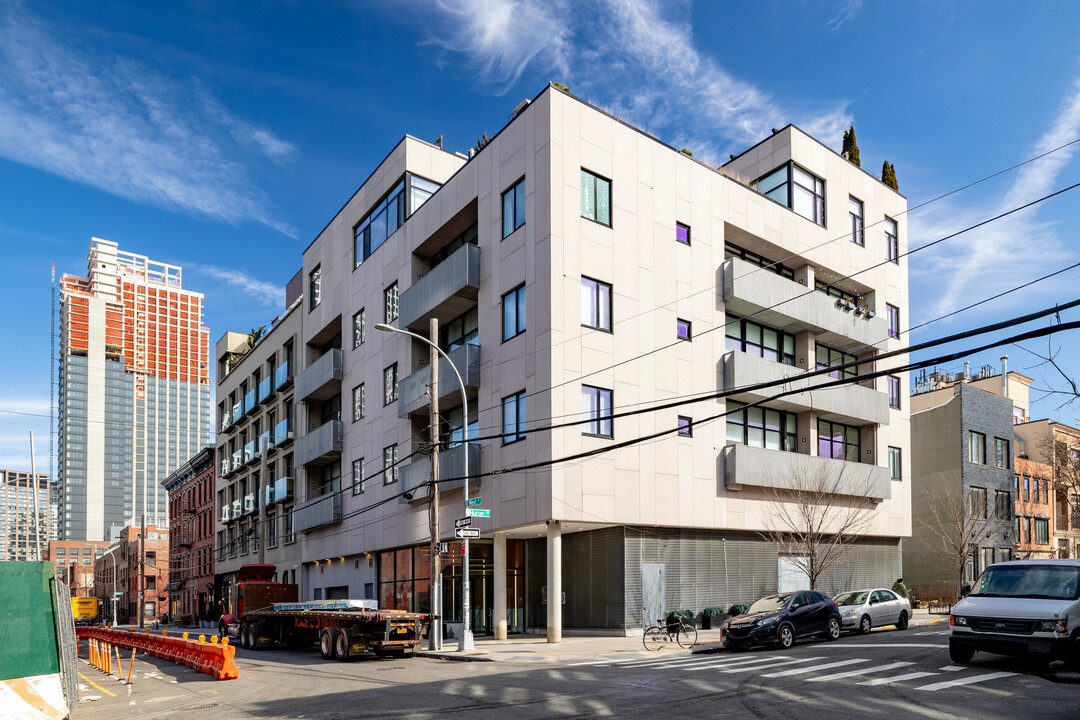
pixel 595 198
pixel 515 431
pixel 597 286
pixel 519 319
pixel 683 226
pixel 511 194
pixel 597 422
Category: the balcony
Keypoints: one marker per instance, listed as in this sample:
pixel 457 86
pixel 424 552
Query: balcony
pixel 251 403
pixel 226 422
pixel 319 512
pixel 748 289
pixel 226 467
pixel 413 390
pixel 742 466
pixel 266 391
pixel 226 513
pixel 251 504
pixel 184 539
pixel 237 508
pixel 237 413
pixel 321 446
pixel 447 291
pixel 283 433
pixel 266 442
pixel 451 465
pixel 252 453
pixel 237 460
pixel 283 375
pixel 852 404
pixel 279 491
pixel 321 379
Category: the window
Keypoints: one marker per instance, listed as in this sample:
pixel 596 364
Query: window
pixel 358 329
pixel 514 207
pixel 1002 459
pixel 358 401
pixel 855 210
pixel 390 384
pixel 595 198
pixel 977 499
pixel 894 463
pixel 596 405
pixel 390 470
pixel 1002 505
pixel 893 314
pixel 390 297
pixel 735 251
pixel 761 427
pixel 513 304
pixel 463 330
pixel 797 189
pixel 595 304
pixel 358 476
pixel 761 341
pixel 1027 489
pixel 1042 531
pixel 827 358
pixel 469 237
pixel 976 448
pixel 686 426
pixel 892 241
pixel 1035 489
pixel 835 292
pixel 389 214
pixel 513 408
pixel 682 233
pixel 894 391
pixel 315 287
pixel 838 441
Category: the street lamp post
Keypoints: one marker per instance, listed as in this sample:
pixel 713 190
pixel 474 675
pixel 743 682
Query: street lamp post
pixel 465 642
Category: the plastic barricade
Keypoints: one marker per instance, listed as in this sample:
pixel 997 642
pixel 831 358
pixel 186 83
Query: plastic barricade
pixel 214 659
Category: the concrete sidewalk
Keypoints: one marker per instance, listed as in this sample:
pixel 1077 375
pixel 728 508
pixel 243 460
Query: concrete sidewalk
pixel 584 649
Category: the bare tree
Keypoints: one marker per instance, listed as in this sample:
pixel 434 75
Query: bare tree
pixel 955 530
pixel 816 512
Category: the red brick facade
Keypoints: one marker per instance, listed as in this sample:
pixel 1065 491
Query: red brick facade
pixel 191 537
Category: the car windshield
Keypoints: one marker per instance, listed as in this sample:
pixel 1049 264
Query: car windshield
pixel 769 604
pixel 1031 581
pixel 851 598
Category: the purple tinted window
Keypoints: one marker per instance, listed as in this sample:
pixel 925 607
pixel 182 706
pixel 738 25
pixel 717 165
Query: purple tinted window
pixel 682 233
pixel 682 329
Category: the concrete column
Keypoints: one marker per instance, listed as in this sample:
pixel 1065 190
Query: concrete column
pixel 554 582
pixel 500 586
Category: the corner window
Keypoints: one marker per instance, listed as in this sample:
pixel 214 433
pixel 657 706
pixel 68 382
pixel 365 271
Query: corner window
pixel 595 198
pixel 358 476
pixel 513 305
pixel 315 287
pixel 390 469
pixel 686 426
pixel 976 448
pixel 797 189
pixel 758 340
pixel 389 214
pixel 894 463
pixel 838 441
pixel 514 207
pixel 892 241
pixel 894 392
pixel 596 406
pixel 734 251
pixel 595 304
pixel 359 329
pixel 390 298
pixel 893 314
pixel 682 329
pixel 358 401
pixel 827 357
pixel 855 211
pixel 682 233
pixel 513 408
pixel 390 384
pixel 761 427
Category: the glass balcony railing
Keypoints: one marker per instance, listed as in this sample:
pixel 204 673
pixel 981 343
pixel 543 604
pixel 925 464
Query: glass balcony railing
pixel 226 513
pixel 251 504
pixel 237 460
pixel 237 412
pixel 283 433
pixel 250 402
pixel 251 452
pixel 281 490
pixel 266 440
pixel 283 375
pixel 266 390
pixel 236 508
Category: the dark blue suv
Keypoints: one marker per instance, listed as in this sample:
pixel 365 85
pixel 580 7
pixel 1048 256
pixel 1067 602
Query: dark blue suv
pixel 783 618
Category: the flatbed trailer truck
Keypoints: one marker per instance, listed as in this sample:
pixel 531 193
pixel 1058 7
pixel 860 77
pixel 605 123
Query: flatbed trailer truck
pixel 262 613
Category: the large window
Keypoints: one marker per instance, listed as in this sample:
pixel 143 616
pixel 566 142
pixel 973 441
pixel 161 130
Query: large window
pixel 595 198
pixel 976 448
pixel 893 315
pixel 761 427
pixel 514 207
pixel 390 467
pixel 827 358
pixel 835 292
pixel 595 304
pixel 892 241
pixel 359 329
pixel 358 476
pixel 513 408
pixel 315 287
pixel 977 498
pixel 1001 457
pixel 855 210
pixel 1002 505
pixel 390 303
pixel 749 337
pixel 797 189
pixel 390 384
pixel 780 269
pixel 462 330
pixel 838 441
pixel 894 463
pixel 513 305
pixel 1042 531
pixel 389 214
pixel 596 405
pixel 894 391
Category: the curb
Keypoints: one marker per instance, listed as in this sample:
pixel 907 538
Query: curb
pixel 439 655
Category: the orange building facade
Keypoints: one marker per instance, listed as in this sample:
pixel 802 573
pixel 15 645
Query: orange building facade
pixel 1034 509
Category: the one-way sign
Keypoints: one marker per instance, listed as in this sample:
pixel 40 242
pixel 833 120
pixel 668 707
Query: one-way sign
pixel 463 522
pixel 467 533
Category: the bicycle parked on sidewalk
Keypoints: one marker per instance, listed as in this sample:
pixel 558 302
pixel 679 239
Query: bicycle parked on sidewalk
pixel 677 630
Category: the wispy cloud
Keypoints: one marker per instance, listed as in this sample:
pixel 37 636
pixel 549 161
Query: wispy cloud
pixel 989 258
pixel 650 71
pixel 262 292
pixel 119 126
pixel 847 12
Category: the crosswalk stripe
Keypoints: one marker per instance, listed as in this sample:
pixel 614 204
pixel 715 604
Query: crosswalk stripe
pixel 800 671
pixel 731 662
pixel 650 661
pixel 965 681
pixel 775 664
pixel 951 668
pixel 863 671
pixel 897 678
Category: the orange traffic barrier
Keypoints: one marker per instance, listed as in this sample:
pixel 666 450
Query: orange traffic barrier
pixel 131 665
pixel 214 659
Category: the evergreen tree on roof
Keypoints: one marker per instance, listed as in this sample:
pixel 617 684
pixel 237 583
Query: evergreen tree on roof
pixel 851 147
pixel 888 175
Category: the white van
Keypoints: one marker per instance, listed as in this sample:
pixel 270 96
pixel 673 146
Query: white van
pixel 1021 607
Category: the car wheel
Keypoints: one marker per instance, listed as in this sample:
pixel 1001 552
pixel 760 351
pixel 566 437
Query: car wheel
pixel 961 653
pixel 786 636
pixel 865 625
pixel 901 624
pixel 832 629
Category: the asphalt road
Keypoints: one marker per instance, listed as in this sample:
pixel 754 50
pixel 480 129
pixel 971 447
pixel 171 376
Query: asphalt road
pixel 885 674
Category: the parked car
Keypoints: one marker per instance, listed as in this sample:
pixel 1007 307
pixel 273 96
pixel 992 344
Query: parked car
pixel 862 610
pixel 783 618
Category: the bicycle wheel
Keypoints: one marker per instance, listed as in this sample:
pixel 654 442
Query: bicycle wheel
pixel 654 637
pixel 687 636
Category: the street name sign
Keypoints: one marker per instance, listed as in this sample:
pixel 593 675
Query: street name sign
pixel 474 501
pixel 478 512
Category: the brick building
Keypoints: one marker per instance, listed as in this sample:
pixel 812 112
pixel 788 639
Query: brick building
pixel 191 536
pixel 1034 509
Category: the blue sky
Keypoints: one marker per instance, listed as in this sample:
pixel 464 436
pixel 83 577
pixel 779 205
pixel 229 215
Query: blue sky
pixel 223 136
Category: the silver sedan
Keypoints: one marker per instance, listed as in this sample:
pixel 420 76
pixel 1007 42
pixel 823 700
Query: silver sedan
pixel 863 610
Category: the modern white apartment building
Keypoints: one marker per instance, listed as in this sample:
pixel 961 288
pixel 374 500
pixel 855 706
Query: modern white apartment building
pixel 580 268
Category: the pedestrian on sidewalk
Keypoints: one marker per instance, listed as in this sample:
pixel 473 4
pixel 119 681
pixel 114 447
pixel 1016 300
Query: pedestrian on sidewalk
pixel 900 588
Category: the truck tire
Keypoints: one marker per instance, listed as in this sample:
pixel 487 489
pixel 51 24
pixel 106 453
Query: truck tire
pixel 326 643
pixel 253 636
pixel 342 643
pixel 961 653
pixel 242 636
